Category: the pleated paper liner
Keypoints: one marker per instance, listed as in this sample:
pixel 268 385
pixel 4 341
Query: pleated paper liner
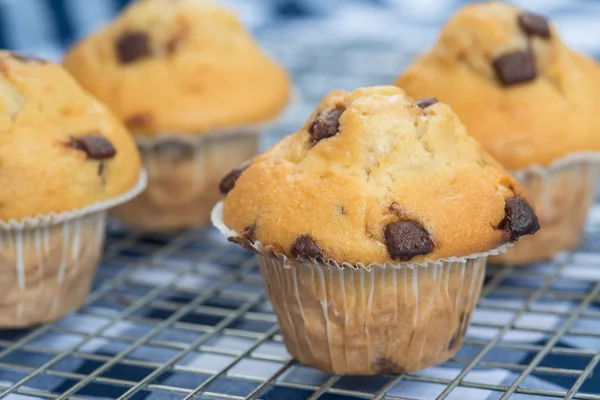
pixel 368 319
pixel 562 194
pixel 47 262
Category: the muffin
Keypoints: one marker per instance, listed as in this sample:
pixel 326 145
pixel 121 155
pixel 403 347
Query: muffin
pixel 65 160
pixel 372 226
pixel 532 104
pixel 195 90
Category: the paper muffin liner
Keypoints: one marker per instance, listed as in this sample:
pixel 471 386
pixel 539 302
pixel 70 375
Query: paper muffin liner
pixel 47 262
pixel 184 172
pixel 368 319
pixel 561 195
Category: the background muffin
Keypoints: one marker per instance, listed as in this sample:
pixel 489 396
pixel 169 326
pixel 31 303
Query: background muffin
pixel 374 180
pixel 65 159
pixel 530 101
pixel 179 73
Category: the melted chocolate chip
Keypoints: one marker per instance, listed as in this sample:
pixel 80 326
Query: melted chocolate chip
pixel 249 233
pixel 132 46
pixel 306 246
pixel 407 239
pixel 326 125
pixel 424 103
pixel 96 147
pixel 515 68
pixel 519 218
pixel 228 182
pixel 534 25
pixel 138 121
pixel 385 366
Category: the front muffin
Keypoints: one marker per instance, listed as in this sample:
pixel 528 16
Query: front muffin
pixel 65 160
pixel 378 213
pixel 530 101
pixel 192 85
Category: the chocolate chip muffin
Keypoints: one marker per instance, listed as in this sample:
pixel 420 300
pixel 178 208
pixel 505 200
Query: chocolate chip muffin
pixel 373 223
pixel 65 160
pixel 194 88
pixel 530 101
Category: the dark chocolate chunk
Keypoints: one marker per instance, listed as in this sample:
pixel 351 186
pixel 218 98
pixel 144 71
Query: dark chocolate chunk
pixel 27 58
pixel 249 233
pixel 96 147
pixel 424 103
pixel 132 46
pixel 306 246
pixel 385 366
pixel 407 239
pixel 137 122
pixel 515 68
pixel 326 125
pixel 175 151
pixel 228 182
pixel 534 25
pixel 519 218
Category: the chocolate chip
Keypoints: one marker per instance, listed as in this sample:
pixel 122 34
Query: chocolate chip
pixel 407 239
pixel 326 125
pixel 514 68
pixel 306 246
pixel 385 366
pixel 27 58
pixel 228 182
pixel 249 233
pixel 96 147
pixel 534 25
pixel 132 46
pixel 138 121
pixel 519 218
pixel 424 103
pixel 175 151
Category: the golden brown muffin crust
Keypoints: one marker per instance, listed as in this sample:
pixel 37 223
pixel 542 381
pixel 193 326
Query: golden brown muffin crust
pixel 335 188
pixel 549 112
pixel 59 148
pixel 185 66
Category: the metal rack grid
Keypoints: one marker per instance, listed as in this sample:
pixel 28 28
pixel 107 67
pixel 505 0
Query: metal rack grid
pixel 185 316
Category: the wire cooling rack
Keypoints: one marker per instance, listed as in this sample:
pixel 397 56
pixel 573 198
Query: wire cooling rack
pixel 184 316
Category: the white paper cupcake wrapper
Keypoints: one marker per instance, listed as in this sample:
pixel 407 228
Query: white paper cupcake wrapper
pixel 45 220
pixel 575 158
pixel 217 220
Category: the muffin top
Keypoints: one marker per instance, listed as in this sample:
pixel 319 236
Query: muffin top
pixel 373 177
pixel 525 96
pixel 59 148
pixel 183 66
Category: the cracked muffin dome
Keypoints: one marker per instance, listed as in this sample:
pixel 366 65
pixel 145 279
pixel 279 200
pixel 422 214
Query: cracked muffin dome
pixel 374 177
pixel 59 148
pixel 185 66
pixel 525 96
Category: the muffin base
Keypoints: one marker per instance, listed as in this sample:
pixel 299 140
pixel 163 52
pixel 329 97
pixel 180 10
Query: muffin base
pixel 183 180
pixel 562 197
pixel 383 321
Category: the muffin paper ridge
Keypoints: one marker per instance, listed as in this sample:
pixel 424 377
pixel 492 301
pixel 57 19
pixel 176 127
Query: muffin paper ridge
pixel 217 220
pixel 566 161
pixel 53 218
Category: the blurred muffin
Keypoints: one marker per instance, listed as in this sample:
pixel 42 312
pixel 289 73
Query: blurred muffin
pixel 379 216
pixel 192 85
pixel 65 160
pixel 530 101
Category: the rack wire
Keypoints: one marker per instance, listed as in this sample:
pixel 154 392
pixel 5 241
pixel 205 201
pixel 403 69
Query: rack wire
pixel 185 316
